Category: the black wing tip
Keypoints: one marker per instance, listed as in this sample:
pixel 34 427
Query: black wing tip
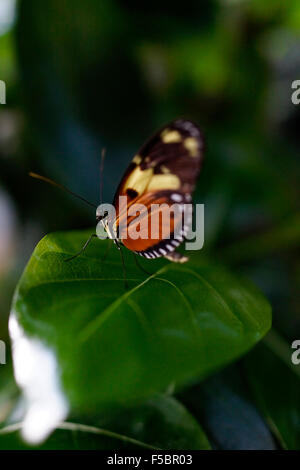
pixel 189 126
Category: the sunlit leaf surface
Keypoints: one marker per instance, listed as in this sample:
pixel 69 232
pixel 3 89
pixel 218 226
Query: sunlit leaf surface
pixel 98 345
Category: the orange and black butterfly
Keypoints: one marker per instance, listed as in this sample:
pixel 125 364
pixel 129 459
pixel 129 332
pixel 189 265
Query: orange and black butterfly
pixel 161 174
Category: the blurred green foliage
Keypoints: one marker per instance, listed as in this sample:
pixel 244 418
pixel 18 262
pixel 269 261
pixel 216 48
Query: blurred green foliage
pixel 83 75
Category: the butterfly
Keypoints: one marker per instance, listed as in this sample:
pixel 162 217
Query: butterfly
pixel 162 173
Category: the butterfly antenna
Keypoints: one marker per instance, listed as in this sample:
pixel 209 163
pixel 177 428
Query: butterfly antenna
pixel 58 185
pixel 103 153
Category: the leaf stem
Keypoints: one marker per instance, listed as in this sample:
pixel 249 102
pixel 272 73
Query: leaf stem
pixel 69 426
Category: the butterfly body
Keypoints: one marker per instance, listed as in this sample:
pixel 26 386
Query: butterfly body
pixel 161 176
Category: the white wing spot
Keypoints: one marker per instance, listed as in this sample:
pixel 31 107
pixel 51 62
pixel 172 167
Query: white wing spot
pixel 176 197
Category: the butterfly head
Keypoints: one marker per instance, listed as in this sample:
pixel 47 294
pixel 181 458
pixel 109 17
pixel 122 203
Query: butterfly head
pixel 109 228
pixel 101 216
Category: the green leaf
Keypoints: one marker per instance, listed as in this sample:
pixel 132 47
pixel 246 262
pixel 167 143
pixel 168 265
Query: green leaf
pixel 99 345
pixel 160 423
pixel 8 392
pixel 275 383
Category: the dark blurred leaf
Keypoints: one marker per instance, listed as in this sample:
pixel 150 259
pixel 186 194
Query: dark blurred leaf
pixel 275 383
pixel 284 237
pixel 114 346
pixel 223 407
pixel 160 423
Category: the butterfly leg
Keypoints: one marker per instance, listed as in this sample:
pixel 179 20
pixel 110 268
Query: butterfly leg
pixel 177 257
pixel 83 248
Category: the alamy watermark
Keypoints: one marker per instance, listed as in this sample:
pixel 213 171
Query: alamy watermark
pixel 295 358
pixel 2 92
pixel 295 97
pixel 2 352
pixel 153 222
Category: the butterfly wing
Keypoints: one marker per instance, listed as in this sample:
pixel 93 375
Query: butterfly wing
pixel 163 172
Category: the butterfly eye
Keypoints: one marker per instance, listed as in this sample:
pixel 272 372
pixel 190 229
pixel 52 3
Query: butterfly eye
pixel 101 216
